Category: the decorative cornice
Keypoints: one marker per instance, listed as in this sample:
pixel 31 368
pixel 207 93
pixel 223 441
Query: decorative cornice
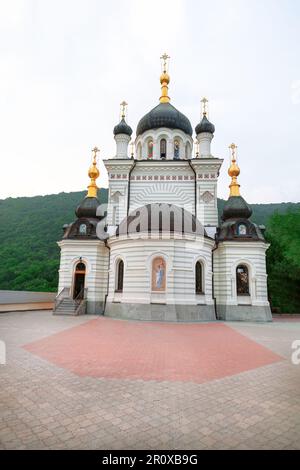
pixel 160 177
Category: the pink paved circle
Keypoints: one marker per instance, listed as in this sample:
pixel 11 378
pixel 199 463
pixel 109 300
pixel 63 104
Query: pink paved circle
pixel 152 351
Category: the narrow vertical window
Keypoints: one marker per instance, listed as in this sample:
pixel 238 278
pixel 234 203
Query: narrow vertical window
pixel 158 280
pixel 163 148
pixel 150 149
pixel 198 278
pixel 242 280
pixel 120 276
pixel 176 149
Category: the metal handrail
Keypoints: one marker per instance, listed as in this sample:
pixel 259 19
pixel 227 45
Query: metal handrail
pixel 61 296
pixel 80 299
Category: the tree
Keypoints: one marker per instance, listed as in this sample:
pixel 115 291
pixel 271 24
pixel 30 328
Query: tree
pixel 283 261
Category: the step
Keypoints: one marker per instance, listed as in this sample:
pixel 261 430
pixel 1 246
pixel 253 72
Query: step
pixel 64 312
pixel 66 307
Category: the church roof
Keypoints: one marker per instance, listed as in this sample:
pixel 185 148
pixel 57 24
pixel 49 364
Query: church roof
pixel 159 217
pixel 122 128
pixel 205 126
pixel 164 115
pixel 87 207
pixel 236 207
pixel 230 231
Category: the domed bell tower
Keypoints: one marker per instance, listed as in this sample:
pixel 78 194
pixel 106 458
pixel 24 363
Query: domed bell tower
pixel 240 278
pixel 122 134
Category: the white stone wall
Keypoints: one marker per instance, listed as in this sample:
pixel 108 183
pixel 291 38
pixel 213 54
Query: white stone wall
pixel 204 140
pixel 162 182
pixel 227 257
pixel 122 141
pixel 181 256
pixel 118 175
pixel 207 173
pixel 94 255
pixel 171 182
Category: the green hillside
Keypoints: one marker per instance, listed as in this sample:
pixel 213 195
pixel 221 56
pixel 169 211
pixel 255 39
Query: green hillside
pixel 31 226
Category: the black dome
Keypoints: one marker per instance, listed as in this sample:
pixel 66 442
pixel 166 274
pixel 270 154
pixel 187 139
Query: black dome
pixel 236 207
pixel 160 217
pixel 205 126
pixel 122 128
pixel 164 115
pixel 87 207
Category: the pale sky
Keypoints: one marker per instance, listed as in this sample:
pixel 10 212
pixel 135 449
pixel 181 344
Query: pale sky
pixel 65 65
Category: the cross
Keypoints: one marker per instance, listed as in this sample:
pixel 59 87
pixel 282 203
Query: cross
pixel 204 101
pixel 95 150
pixel 123 107
pixel 233 148
pixel 165 58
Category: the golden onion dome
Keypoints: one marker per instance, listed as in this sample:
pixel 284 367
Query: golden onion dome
pixel 165 78
pixel 93 175
pixel 233 169
pixel 93 171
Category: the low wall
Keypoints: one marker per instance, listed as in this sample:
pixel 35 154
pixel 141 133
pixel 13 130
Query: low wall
pixel 25 300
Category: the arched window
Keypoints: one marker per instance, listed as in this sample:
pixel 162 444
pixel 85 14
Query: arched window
pixel 163 148
pixel 120 276
pixel 176 149
pixel 82 229
pixel 198 278
pixel 242 229
pixel 80 267
pixel 242 280
pixel 150 149
pixel 158 280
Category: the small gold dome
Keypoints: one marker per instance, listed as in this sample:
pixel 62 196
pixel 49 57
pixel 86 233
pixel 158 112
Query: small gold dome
pixel 93 174
pixel 165 78
pixel 233 169
pixel 93 171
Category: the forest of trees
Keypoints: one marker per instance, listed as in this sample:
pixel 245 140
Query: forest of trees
pixel 31 226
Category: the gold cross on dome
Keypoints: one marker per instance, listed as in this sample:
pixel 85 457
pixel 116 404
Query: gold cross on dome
pixel 233 148
pixel 95 150
pixel 123 108
pixel 204 101
pixel 165 58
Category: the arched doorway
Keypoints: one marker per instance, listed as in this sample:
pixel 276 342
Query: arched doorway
pixel 79 279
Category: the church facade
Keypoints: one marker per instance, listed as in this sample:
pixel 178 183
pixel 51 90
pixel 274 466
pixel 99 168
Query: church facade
pixel 157 250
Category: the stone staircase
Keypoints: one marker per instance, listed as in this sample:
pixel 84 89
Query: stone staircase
pixel 65 305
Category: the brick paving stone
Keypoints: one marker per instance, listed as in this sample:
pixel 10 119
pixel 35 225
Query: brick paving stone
pixel 46 404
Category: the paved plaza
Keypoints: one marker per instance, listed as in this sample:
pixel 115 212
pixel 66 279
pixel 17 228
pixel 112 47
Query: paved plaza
pixel 96 383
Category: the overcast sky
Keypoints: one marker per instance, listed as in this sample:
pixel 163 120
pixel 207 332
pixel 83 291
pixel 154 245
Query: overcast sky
pixel 65 65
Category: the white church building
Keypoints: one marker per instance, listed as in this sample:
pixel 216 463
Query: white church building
pixel 158 249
